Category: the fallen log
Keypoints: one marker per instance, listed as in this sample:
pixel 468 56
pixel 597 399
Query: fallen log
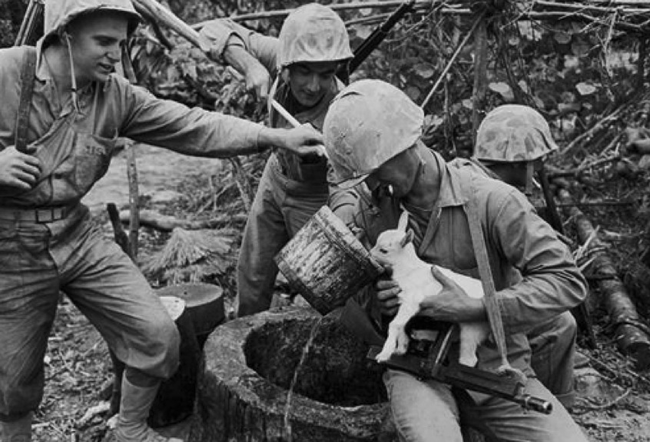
pixel 166 223
pixel 630 335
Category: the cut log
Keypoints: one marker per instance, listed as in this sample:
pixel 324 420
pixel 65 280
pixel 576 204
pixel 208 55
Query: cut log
pixel 249 366
pixel 175 399
pixel 629 333
pixel 166 223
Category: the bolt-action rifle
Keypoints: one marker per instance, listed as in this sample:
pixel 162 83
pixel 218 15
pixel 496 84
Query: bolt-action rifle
pixel 372 41
pixel 33 12
pixel 428 359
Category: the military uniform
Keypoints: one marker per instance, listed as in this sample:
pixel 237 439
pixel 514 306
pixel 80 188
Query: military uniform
pixel 533 272
pixel 291 190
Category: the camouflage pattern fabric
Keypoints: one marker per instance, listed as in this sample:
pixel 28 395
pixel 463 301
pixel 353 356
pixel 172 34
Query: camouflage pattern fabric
pixel 368 123
pixel 59 13
pixel 313 33
pixel 513 133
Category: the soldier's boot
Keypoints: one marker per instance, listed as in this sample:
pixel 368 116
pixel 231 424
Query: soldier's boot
pixel 135 405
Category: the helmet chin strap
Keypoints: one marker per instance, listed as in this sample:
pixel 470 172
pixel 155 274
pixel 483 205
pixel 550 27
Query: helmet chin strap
pixel 73 77
pixel 530 179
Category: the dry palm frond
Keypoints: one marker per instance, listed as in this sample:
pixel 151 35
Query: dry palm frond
pixel 192 256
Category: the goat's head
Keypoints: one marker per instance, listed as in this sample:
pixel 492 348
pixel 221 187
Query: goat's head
pixel 392 244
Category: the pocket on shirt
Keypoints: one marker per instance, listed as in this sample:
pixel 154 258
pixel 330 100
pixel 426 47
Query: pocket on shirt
pixel 92 158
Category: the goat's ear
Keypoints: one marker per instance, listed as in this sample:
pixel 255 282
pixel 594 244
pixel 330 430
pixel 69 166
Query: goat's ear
pixel 407 238
pixel 403 221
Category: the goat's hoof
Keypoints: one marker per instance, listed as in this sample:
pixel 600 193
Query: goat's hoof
pixel 470 362
pixel 382 357
pixel 401 349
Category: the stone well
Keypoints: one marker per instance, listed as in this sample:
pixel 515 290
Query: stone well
pixel 249 366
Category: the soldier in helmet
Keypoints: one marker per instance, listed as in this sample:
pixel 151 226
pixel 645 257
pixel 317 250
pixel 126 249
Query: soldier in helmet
pixel 312 45
pixel 512 143
pixel 62 112
pixel 372 134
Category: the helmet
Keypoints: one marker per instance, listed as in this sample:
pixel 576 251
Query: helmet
pixel 368 123
pixel 512 133
pixel 313 33
pixel 59 13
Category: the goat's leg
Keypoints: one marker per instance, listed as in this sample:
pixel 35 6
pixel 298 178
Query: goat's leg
pixel 472 335
pixel 397 340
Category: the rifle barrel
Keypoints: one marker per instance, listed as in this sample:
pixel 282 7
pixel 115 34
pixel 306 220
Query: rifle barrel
pixel 26 30
pixel 377 36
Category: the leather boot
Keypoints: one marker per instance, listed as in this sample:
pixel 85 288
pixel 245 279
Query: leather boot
pixel 134 409
pixel 17 431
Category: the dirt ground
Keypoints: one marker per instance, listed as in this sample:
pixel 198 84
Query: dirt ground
pixel 613 404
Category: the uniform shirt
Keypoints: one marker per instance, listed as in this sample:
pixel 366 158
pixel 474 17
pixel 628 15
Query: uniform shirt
pixel 107 111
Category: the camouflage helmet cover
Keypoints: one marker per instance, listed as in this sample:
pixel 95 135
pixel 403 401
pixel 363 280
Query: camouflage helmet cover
pixel 59 13
pixel 368 123
pixel 513 133
pixel 313 33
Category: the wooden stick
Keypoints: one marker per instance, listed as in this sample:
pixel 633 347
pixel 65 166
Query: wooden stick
pixel 160 13
pixel 452 60
pixel 292 121
pixel 281 13
pixel 574 172
pixel 588 135
pixel 166 223
pixel 243 183
pixel 134 203
pixel 480 76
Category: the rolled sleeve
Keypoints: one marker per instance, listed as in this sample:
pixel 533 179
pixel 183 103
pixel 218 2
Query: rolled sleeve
pixel 224 33
pixel 221 34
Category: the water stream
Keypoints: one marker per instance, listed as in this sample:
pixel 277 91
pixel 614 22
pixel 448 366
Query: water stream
pixel 296 373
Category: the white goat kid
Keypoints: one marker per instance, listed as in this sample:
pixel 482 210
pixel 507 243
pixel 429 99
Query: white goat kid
pixel 394 248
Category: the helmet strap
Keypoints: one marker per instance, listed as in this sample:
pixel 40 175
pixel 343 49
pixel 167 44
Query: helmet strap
pixel 530 170
pixel 73 77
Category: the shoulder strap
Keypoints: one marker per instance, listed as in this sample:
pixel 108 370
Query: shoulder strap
pixel 27 76
pixel 491 301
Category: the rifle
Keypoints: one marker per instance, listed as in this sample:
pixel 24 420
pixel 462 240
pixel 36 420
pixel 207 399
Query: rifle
pixel 372 41
pixel 34 10
pixel 427 359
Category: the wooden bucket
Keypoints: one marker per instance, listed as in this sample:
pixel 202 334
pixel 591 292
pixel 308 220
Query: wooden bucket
pixel 325 263
pixel 204 303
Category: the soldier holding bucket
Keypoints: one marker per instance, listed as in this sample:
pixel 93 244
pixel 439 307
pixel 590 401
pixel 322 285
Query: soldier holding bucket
pixel 312 44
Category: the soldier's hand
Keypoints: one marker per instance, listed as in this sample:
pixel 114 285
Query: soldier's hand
pixel 259 81
pixel 18 170
pixel 304 141
pixel 452 304
pixel 387 291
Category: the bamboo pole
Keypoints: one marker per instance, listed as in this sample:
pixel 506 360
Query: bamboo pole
pixel 159 13
pixel 480 76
